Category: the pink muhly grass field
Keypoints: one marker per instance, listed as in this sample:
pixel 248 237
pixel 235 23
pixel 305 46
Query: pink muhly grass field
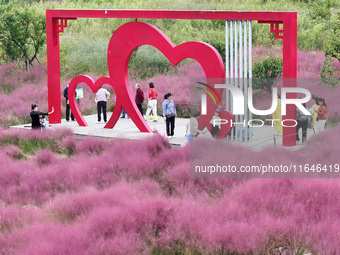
pixel 60 195
pixel 137 197
pixel 20 89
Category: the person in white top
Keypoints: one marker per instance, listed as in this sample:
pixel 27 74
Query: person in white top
pixel 102 96
pixel 192 127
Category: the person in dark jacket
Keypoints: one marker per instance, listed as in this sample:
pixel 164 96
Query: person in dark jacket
pixel 35 116
pixel 302 122
pixel 68 105
pixel 139 99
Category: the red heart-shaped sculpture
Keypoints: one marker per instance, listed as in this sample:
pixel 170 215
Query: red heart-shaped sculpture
pixel 94 86
pixel 130 36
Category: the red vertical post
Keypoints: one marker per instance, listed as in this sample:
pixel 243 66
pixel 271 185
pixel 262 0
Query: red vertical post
pixel 53 68
pixel 290 73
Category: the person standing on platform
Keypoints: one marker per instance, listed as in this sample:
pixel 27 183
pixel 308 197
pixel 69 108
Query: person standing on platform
pixel 68 105
pixel 313 110
pixel 277 117
pixel 123 110
pixel 124 113
pixel 102 96
pixel 152 103
pixel 322 115
pixel 169 113
pixel 139 99
pixel 302 122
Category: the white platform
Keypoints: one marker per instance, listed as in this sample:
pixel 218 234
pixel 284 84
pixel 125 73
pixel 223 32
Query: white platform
pixel 126 129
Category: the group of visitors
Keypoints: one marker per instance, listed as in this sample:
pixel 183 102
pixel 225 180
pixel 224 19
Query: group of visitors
pixel 152 101
pixel 317 119
pixel 192 130
pixel 38 118
pixel 168 105
pixel 169 108
pixel 319 113
pixel 169 114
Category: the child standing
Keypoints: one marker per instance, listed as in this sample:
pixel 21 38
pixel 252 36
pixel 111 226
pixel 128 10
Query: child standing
pixel 215 124
pixel 43 122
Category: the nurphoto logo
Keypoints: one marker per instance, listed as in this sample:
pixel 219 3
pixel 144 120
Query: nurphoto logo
pixel 238 104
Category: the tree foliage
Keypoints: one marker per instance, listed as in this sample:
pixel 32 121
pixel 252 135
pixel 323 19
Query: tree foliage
pixel 23 32
pixel 266 71
pixel 328 73
pixel 331 42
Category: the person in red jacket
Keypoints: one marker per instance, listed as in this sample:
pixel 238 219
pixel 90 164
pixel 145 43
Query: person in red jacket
pixel 152 103
pixel 322 115
pixel 139 99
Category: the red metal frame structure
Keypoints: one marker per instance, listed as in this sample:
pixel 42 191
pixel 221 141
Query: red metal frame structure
pixel 56 21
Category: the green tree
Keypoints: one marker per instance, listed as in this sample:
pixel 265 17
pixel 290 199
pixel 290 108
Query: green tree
pixel 266 71
pixel 23 32
pixel 328 73
pixel 331 42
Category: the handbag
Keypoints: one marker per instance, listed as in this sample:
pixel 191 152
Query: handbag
pixel 170 115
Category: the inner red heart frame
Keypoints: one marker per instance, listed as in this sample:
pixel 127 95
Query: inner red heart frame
pixel 94 86
pixel 128 37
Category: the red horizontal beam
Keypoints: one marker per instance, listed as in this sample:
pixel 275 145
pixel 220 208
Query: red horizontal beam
pixel 161 14
pixel 269 21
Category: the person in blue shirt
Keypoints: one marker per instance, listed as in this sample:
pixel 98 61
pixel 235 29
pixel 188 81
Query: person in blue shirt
pixel 169 113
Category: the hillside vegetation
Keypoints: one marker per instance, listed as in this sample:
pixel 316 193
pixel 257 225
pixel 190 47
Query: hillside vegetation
pixel 84 41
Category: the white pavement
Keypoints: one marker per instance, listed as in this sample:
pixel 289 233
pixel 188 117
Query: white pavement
pixel 126 129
